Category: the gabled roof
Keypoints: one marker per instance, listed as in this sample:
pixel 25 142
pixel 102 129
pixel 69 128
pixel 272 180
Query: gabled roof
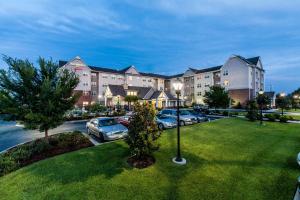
pixel 141 91
pixel 175 76
pixel 209 69
pixel 155 95
pixel 117 90
pixel 154 75
pixel 251 61
pixel 104 69
pixel 125 69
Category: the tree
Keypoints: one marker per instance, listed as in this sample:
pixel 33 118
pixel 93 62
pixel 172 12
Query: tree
pixel 95 108
pixel 143 132
pixel 38 97
pixel 217 97
pixel 282 102
pixel 130 98
pixel 252 110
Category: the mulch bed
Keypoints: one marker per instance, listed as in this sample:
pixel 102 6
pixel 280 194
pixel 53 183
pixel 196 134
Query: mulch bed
pixel 141 163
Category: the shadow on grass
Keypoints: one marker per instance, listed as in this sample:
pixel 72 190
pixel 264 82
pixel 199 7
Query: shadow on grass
pixel 104 161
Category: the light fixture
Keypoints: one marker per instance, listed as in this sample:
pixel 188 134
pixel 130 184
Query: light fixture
pixel 261 92
pixel 177 85
pixel 282 94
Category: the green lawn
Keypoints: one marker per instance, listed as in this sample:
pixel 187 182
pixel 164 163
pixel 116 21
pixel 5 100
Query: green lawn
pixel 227 159
pixel 292 110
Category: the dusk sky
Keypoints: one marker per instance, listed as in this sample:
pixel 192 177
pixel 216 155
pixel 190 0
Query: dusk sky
pixel 159 36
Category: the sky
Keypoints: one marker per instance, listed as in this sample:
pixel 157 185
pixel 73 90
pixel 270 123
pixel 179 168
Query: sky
pixel 158 36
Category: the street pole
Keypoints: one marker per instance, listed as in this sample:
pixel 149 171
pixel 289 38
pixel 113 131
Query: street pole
pixel 261 115
pixel 178 158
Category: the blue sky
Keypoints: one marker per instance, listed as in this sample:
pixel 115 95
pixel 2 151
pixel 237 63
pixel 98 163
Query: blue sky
pixel 160 36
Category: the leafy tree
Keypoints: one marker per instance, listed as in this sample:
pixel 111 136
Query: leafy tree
pixel 95 108
pixel 130 98
pixel 38 97
pixel 252 110
pixel 143 132
pixel 217 97
pixel 282 102
pixel 262 100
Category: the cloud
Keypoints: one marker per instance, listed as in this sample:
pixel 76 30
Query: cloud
pixel 61 17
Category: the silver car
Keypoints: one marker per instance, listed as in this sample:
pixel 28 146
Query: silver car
pixel 164 122
pixel 185 117
pixel 106 128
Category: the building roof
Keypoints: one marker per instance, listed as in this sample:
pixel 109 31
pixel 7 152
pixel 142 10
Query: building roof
pixel 117 90
pixel 251 61
pixel 209 69
pixel 141 91
pixel 170 96
pixel 155 95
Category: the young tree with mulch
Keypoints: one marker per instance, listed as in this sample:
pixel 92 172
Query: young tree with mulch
pixel 142 136
pixel 37 97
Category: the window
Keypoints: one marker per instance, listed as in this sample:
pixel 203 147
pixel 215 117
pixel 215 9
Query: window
pixel 198 85
pixel 225 73
pixel 226 82
pixel 94 83
pixel 94 93
pixel 149 80
pixel 85 93
pixel 85 84
pixel 113 77
pixel 131 93
pixel 94 74
pixel 144 80
pixel 199 77
pixel 85 103
pixel 85 74
pixel 206 85
pixel 104 75
pixel 120 77
pixel 206 76
pixel 199 94
pixel 104 85
pixel 130 78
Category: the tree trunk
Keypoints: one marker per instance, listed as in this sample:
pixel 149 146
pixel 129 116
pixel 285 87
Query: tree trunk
pixel 46 133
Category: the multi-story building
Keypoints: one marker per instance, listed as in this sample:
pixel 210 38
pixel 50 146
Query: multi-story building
pixel 241 77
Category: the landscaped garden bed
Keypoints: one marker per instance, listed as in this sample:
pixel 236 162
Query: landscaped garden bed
pixel 226 159
pixel 40 149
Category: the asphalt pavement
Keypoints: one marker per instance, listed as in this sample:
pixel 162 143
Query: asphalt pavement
pixel 12 134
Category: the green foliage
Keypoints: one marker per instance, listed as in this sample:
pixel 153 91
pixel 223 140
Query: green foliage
pixel 262 100
pixel 96 108
pixel 217 97
pixel 282 102
pixel 252 112
pixel 271 117
pixel 38 97
pixel 130 98
pixel 238 106
pixel 225 113
pixel 40 148
pixel 283 118
pixel 143 132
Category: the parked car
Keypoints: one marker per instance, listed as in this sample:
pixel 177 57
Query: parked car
pixel 165 122
pixel 124 120
pixel 106 128
pixel 185 117
pixel 200 116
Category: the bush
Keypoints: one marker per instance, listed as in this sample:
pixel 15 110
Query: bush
pixel 252 113
pixel 270 117
pixel 290 118
pixel 283 119
pixel 225 113
pixel 143 132
pixel 276 115
pixel 39 149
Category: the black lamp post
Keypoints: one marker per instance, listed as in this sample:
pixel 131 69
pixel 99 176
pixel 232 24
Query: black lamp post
pixel 260 102
pixel 282 95
pixel 178 159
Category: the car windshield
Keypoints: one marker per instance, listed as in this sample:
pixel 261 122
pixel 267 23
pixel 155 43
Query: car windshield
pixel 163 117
pixel 107 122
pixel 184 112
pixel 193 112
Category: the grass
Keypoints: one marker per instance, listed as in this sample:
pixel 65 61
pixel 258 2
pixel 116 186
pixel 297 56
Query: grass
pixel 227 159
pixel 291 110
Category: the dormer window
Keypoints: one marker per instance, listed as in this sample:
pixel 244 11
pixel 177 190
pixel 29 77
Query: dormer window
pixel 131 93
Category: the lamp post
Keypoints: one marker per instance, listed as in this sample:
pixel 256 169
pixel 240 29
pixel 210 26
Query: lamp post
pixel 178 159
pixel 282 95
pixel 260 101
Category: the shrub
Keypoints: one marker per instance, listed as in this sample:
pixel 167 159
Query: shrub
pixel 290 118
pixel 225 113
pixel 270 117
pixel 283 119
pixel 252 113
pixel 276 115
pixel 143 132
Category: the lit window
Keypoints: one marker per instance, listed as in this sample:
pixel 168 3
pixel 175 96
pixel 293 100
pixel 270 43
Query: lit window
pixel 226 82
pixel 131 93
pixel 85 103
pixel 130 78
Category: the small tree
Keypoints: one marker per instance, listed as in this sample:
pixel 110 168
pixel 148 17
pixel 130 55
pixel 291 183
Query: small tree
pixel 129 99
pixel 95 108
pixel 252 110
pixel 38 97
pixel 217 97
pixel 282 102
pixel 143 132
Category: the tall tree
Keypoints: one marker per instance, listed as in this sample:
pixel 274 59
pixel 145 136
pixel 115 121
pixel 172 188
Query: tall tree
pixel 217 97
pixel 282 102
pixel 38 97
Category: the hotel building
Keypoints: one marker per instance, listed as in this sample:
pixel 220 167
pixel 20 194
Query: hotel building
pixel 241 77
